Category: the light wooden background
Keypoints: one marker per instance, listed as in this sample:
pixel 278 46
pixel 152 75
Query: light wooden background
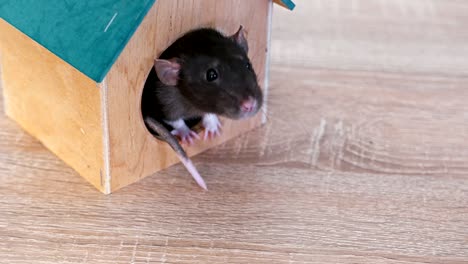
pixel 364 159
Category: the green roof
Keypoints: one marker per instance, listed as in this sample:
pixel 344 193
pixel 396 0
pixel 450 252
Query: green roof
pixel 288 4
pixel 89 35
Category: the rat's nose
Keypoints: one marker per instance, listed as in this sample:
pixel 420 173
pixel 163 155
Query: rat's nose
pixel 249 105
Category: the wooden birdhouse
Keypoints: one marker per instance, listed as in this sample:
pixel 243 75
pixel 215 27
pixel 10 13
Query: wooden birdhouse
pixel 73 72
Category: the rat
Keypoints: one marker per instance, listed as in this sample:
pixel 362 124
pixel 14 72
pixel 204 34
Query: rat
pixel 203 74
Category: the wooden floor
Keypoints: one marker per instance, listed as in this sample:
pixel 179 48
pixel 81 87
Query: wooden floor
pixel 364 159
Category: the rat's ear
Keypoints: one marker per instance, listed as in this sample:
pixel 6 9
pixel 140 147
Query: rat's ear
pixel 167 71
pixel 239 38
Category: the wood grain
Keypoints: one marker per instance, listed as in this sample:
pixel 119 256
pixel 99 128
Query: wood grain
pixel 134 152
pixel 362 160
pixel 53 102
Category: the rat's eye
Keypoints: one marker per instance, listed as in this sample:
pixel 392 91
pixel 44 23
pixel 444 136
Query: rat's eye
pixel 211 75
pixel 248 66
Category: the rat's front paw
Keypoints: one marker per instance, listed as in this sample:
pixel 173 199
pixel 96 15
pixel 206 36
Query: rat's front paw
pixel 186 135
pixel 212 126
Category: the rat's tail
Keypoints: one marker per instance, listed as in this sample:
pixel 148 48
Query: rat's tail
pixel 174 143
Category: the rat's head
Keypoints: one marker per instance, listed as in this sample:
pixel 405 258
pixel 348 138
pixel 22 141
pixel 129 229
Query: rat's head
pixel 213 73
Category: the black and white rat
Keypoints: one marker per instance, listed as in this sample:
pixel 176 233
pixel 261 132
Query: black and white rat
pixel 203 74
